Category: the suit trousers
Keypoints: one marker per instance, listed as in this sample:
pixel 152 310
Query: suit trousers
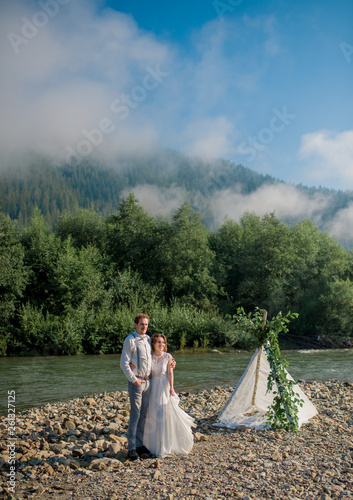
pixel 139 397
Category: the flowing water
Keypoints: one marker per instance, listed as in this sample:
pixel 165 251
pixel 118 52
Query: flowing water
pixel 41 380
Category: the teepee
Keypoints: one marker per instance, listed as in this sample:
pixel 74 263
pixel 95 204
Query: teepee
pixel 249 402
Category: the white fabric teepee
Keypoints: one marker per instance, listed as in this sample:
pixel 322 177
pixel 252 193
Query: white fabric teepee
pixel 248 404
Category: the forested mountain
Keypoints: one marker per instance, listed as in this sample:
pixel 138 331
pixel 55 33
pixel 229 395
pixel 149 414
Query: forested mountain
pixel 55 188
pixel 80 255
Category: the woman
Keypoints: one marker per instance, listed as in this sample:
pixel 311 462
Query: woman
pixel 167 427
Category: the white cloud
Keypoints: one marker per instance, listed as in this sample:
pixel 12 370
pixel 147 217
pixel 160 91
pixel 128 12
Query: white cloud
pixel 341 225
pixel 285 200
pixel 64 78
pixel 271 38
pixel 214 89
pixel 210 138
pixel 330 155
pixel 158 201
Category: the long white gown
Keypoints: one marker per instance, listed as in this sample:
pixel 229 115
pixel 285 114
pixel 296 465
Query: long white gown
pixel 167 427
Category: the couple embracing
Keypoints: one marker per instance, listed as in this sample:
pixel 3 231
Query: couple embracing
pixel 157 425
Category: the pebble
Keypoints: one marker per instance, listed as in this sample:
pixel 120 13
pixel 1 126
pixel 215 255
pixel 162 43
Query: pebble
pixel 78 449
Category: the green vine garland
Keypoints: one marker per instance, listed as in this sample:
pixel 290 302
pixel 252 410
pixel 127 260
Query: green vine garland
pixel 283 413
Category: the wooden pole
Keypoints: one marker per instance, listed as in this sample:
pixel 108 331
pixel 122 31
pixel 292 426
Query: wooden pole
pixel 264 317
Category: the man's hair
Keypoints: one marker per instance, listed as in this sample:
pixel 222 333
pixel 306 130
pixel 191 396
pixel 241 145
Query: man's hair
pixel 140 316
pixel 154 339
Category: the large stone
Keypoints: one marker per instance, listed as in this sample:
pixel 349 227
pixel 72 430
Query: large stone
pixel 93 452
pixel 114 448
pixel 113 438
pixel 69 424
pixel 200 437
pixel 104 463
pixel 78 452
pixel 277 456
pixel 56 448
pixel 73 432
pixel 122 440
pixel 111 428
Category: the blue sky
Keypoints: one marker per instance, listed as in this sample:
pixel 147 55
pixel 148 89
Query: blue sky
pixel 253 57
pixel 249 58
pixel 265 84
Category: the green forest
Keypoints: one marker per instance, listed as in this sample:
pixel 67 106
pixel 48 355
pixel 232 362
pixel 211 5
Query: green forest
pixel 54 188
pixel 73 286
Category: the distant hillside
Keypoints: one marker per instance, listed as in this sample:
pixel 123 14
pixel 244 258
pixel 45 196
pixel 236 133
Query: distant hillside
pixel 55 188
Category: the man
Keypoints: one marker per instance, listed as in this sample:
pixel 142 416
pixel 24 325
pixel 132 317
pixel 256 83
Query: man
pixel 136 363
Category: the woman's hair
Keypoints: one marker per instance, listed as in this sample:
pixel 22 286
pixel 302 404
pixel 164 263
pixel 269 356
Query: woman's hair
pixel 154 339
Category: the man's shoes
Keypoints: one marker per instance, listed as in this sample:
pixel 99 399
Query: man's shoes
pixel 143 452
pixel 133 455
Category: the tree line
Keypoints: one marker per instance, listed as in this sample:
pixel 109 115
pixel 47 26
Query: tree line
pixel 55 188
pixel 75 288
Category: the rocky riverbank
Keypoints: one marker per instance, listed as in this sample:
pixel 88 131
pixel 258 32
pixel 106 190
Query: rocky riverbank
pixel 77 449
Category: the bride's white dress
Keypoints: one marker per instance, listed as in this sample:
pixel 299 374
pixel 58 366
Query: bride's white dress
pixel 167 427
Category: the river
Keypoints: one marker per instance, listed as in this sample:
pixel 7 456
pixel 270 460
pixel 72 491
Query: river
pixel 41 380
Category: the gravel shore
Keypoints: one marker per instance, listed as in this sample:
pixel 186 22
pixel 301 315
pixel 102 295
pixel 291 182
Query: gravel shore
pixel 77 449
